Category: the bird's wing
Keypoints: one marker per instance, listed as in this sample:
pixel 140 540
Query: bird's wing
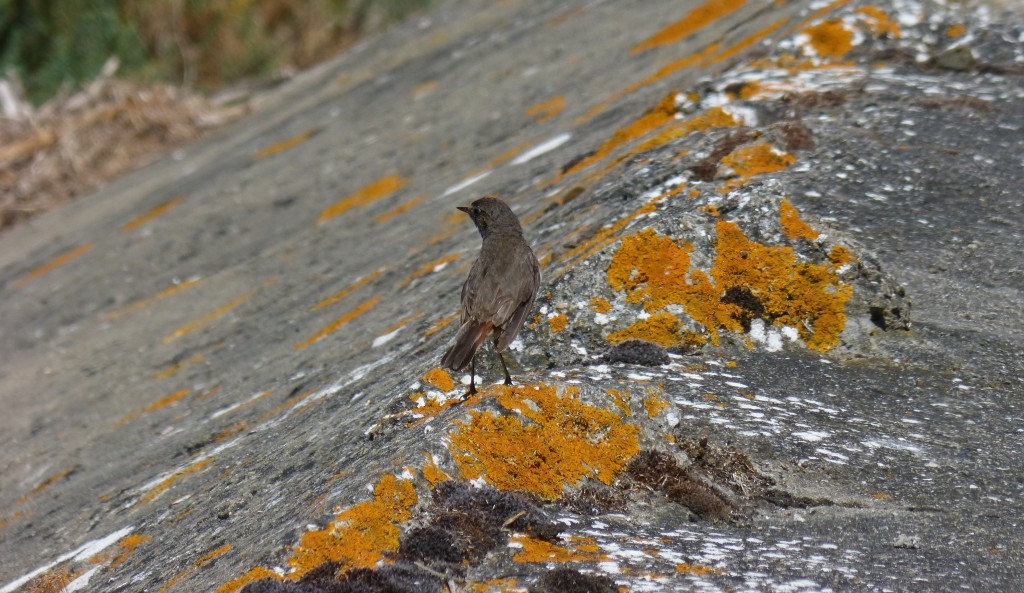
pixel 471 291
pixel 518 302
pixel 500 289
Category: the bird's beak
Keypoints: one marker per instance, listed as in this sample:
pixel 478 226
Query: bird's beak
pixel 465 209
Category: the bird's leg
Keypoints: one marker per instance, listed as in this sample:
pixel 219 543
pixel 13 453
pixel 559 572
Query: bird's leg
pixel 508 378
pixel 472 376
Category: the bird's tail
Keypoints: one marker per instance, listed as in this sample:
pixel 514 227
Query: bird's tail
pixel 470 336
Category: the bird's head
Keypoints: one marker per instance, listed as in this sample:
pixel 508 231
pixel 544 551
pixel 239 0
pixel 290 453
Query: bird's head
pixel 492 215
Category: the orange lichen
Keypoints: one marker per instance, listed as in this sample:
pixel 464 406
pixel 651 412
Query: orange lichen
pixel 152 213
pixel 830 39
pixel 503 156
pixel 440 379
pixel 208 318
pixel 600 305
pixel 745 44
pixel 163 402
pixel 209 556
pixel 139 304
pixel 423 89
pixel 174 368
pixel 126 547
pixel 840 256
pixel 401 208
pixel 285 144
pixel 402 323
pixel 546 110
pixel 501 585
pixel 56 262
pixel 662 328
pixel 792 225
pixel 448 229
pixel 367 194
pixel 663 113
pixel 251 400
pixel 552 441
pixel 662 72
pixel 654 270
pixel 880 22
pixel 5 521
pixel 255 574
pixel 583 549
pixel 291 402
pixel 558 322
pixel 344 292
pixel 199 563
pixel 695 20
pixel 801 294
pixel 433 474
pixel 793 65
pixel 814 16
pixel 441 324
pixel 607 234
pixel 649 268
pixel 359 536
pixel 956 30
pixel 232 430
pixel 433 266
pixel 760 157
pixel 698 569
pixel 621 398
pixel 716 117
pixel 53 479
pixel 655 403
pixel 337 323
pixel 169 481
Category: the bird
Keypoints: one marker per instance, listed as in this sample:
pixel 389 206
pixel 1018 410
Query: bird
pixel 499 292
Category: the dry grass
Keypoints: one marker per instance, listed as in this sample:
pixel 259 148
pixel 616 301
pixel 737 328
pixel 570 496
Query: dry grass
pixel 54 580
pixel 75 143
pixel 210 42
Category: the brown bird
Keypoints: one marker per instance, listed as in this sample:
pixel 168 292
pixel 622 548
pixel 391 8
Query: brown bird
pixel 500 288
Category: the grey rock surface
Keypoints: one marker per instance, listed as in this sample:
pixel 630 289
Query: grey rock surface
pixel 219 368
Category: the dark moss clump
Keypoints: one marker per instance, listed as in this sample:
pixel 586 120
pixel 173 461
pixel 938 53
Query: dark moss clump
pixel 493 508
pixel 595 498
pixel 661 473
pixel 391 578
pixel 795 135
pixel 635 351
pixel 433 542
pixel 725 465
pixel 750 306
pixel 707 168
pixel 274 586
pixel 569 580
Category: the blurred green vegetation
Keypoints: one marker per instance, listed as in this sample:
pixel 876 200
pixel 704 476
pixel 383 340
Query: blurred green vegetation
pixel 202 43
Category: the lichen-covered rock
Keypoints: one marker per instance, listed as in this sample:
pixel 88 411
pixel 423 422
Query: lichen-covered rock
pixel 736 270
